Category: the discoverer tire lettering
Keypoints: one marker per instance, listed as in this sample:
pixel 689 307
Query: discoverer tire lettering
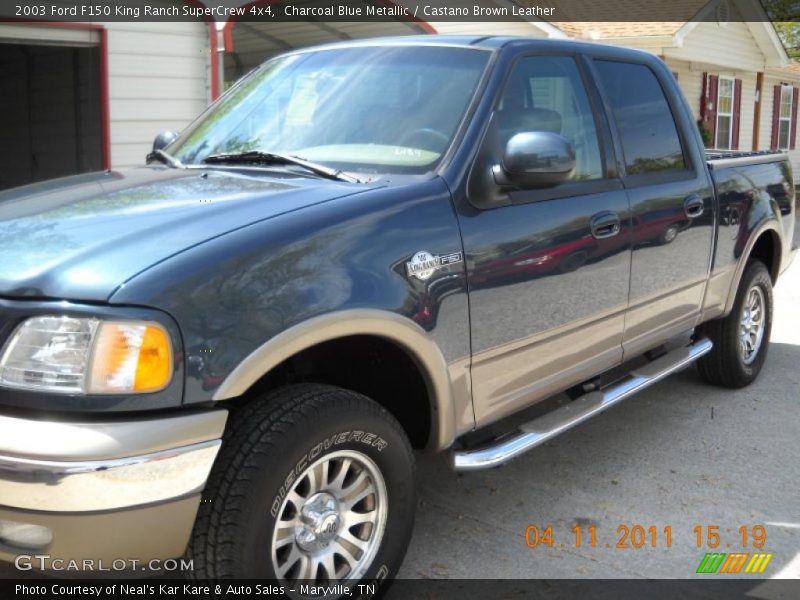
pixel 272 441
pixel 371 439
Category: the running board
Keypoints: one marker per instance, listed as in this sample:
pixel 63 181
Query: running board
pixel 579 410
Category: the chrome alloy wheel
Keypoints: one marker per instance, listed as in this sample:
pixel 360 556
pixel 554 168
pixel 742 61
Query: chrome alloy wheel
pixel 332 521
pixel 752 325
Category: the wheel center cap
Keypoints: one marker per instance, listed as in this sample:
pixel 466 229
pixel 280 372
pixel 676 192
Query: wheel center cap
pixel 328 527
pixel 320 522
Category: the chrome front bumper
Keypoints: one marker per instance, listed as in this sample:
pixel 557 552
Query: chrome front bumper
pixel 88 466
pixel 107 489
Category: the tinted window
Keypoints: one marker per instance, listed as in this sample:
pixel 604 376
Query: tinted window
pixel 546 93
pixel 650 139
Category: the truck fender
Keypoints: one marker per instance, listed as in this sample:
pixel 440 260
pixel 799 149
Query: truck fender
pixel 768 227
pixel 391 326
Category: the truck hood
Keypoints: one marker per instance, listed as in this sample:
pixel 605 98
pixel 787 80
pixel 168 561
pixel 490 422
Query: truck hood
pixel 82 237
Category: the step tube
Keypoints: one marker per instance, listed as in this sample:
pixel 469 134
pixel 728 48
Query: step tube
pixel 548 426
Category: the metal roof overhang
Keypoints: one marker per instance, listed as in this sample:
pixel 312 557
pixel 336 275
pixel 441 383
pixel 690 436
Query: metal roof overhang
pixel 248 44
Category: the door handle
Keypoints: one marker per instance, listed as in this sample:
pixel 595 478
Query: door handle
pixel 604 225
pixel 693 206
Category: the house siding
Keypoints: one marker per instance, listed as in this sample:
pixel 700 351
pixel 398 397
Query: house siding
pixel 732 46
pixel 150 91
pixel 158 78
pixel 765 129
pixel 690 80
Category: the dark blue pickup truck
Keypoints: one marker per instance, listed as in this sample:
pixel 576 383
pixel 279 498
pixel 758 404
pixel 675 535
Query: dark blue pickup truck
pixel 230 353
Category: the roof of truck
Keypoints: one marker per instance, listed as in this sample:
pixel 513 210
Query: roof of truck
pixel 480 41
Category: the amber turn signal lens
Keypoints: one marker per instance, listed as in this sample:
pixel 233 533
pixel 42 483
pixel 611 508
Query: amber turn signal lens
pixel 155 361
pixel 130 357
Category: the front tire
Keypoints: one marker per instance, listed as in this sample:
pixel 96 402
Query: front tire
pixel 741 339
pixel 314 484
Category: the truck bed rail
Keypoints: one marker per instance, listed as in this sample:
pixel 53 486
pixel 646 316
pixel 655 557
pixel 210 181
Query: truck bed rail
pixel 719 159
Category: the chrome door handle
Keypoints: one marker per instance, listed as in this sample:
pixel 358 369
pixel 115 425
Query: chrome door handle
pixel 693 206
pixel 604 225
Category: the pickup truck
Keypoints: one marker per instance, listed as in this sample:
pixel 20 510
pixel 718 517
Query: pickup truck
pixel 230 354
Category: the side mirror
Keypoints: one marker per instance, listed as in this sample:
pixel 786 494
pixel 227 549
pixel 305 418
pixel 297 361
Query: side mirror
pixel 164 139
pixel 535 159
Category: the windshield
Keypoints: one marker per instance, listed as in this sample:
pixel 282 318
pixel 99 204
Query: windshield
pixel 368 109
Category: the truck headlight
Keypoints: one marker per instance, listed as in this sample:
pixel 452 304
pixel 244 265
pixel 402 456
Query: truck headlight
pixel 87 356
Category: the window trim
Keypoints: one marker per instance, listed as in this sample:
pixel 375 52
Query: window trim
pixel 675 105
pixel 603 129
pixel 787 120
pixel 729 115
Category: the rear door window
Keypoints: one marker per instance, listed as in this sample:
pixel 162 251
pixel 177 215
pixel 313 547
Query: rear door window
pixel 649 137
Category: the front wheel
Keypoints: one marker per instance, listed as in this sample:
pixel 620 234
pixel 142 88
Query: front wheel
pixel 741 339
pixel 314 484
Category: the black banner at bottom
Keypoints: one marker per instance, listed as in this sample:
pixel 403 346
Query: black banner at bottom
pixel 402 589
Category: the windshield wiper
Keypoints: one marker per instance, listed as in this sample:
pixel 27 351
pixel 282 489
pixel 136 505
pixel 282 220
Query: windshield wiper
pixel 287 159
pixel 165 158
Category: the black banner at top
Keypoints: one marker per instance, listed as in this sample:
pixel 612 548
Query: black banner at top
pixel 550 11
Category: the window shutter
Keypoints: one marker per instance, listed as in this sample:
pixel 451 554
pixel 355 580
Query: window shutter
pixel 708 106
pixel 737 109
pixel 776 115
pixel 794 118
pixel 703 95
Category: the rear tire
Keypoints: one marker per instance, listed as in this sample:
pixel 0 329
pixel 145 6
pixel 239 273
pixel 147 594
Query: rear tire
pixel 741 339
pixel 313 483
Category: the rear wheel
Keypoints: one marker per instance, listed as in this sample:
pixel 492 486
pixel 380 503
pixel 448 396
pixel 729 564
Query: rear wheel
pixel 741 339
pixel 314 484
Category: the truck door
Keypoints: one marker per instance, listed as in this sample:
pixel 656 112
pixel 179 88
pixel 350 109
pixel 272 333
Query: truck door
pixel 548 268
pixel 671 201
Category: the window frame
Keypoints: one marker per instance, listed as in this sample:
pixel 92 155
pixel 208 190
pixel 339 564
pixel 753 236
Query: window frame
pixel 787 120
pixel 610 179
pixel 730 115
pixel 676 107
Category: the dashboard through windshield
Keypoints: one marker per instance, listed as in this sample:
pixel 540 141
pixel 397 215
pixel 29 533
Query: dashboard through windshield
pixel 366 109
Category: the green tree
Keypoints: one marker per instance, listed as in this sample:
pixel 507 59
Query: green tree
pixel 782 10
pixel 789 32
pixel 785 16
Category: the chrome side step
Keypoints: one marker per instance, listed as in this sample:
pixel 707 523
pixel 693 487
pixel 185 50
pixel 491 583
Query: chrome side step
pixel 579 410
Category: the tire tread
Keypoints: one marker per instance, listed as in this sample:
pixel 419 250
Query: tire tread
pixel 721 366
pixel 261 427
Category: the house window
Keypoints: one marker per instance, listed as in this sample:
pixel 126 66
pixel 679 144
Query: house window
pixel 785 117
pixel 725 112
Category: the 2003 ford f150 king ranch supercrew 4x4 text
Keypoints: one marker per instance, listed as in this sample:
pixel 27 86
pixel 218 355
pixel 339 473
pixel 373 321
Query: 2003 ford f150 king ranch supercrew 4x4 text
pixel 471 244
